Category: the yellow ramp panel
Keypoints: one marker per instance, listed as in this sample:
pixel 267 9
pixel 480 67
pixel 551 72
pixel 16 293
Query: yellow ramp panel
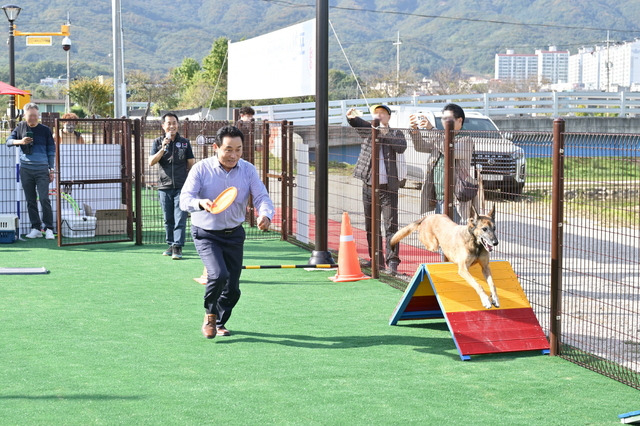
pixel 456 295
pixel 424 289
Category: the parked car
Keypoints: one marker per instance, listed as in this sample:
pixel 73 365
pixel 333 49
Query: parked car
pixel 503 163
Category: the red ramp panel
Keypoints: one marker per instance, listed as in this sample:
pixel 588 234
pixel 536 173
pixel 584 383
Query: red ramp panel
pixel 496 330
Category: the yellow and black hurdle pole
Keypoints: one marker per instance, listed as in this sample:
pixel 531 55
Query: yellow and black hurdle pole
pixel 323 266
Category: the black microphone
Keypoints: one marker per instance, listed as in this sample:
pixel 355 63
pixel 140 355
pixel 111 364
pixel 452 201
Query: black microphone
pixel 168 136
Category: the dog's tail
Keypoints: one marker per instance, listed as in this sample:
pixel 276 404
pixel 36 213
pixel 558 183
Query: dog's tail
pixel 404 232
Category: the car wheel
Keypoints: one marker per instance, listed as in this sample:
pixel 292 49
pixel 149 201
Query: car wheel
pixel 513 190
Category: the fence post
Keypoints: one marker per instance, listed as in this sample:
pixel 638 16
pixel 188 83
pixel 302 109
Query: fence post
pixel 448 168
pixel 557 201
pixel 555 104
pixel 486 103
pixel 623 104
pixel 137 177
pixel 284 177
pixel 265 153
pixel 375 205
pixel 291 183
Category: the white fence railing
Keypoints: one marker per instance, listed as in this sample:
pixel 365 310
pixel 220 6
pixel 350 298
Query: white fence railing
pixel 554 104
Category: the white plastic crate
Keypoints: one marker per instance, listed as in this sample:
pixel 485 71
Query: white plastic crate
pixel 9 226
pixel 78 226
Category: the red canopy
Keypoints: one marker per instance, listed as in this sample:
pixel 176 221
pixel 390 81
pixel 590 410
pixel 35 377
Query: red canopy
pixel 7 89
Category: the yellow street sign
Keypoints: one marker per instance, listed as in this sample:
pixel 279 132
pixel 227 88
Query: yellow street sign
pixel 22 100
pixel 39 41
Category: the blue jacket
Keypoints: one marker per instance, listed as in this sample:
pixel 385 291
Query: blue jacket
pixel 40 154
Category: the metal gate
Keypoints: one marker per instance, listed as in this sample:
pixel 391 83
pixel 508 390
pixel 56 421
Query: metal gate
pixel 94 176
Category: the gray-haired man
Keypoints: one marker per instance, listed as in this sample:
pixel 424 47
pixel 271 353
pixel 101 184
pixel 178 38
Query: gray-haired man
pixel 37 161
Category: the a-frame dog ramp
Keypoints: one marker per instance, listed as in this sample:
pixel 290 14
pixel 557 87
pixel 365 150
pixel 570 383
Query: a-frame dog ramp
pixel 437 291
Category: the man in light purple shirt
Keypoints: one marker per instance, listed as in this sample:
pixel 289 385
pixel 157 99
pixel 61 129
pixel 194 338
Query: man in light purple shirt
pixel 219 238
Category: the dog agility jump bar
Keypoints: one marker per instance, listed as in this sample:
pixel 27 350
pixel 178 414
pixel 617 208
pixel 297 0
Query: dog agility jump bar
pixel 324 266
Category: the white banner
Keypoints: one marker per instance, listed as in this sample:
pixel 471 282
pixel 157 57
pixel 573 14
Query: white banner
pixel 279 64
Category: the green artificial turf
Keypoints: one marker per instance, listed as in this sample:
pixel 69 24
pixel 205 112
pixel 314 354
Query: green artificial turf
pixel 112 336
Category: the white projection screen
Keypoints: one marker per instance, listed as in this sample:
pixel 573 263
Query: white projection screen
pixel 279 64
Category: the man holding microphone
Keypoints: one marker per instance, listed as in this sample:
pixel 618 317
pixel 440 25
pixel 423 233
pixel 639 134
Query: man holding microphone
pixel 174 155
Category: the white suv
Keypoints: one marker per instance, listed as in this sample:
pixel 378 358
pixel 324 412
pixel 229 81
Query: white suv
pixel 503 163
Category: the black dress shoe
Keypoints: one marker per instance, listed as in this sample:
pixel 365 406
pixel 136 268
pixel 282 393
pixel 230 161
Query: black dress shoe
pixel 221 331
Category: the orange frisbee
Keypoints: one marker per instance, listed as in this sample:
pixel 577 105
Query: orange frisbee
pixel 224 200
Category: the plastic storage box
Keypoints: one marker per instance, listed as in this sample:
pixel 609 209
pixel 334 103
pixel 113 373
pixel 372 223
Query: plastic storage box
pixel 78 226
pixel 9 228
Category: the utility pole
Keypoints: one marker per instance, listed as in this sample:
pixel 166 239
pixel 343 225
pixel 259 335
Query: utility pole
pixel 66 46
pixel 119 86
pixel 608 65
pixel 321 254
pixel 397 44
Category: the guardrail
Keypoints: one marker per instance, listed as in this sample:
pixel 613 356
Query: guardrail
pixel 552 104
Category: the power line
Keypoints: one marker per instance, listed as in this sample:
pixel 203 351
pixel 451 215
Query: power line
pixel 453 18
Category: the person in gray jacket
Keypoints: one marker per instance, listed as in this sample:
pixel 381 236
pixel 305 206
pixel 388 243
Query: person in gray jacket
pixel 432 197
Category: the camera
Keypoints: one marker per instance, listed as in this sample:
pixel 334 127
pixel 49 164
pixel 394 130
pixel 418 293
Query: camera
pixel 66 44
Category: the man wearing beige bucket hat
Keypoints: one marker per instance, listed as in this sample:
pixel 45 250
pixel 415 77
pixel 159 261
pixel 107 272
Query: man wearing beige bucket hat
pixel 392 142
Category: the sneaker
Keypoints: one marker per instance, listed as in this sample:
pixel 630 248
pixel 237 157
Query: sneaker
pixel 392 269
pixel 48 234
pixel 177 253
pixel 35 233
pixel 168 252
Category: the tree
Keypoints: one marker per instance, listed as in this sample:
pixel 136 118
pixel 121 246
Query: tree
pixel 448 81
pixel 216 61
pixel 184 74
pixel 214 71
pixel 199 93
pixel 95 97
pixel 161 91
pixel 206 85
pixel 342 86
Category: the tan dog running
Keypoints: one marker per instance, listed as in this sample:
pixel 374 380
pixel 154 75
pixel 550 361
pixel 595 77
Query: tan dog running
pixel 463 245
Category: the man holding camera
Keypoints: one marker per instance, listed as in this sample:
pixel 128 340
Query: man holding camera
pixel 392 142
pixel 37 162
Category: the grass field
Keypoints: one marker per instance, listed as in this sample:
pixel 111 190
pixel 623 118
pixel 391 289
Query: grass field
pixel 112 336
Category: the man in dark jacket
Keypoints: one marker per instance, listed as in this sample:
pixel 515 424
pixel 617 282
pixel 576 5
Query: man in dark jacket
pixel 392 142
pixel 174 155
pixel 37 160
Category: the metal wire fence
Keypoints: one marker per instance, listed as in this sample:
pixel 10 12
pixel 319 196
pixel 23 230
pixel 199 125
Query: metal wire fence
pixel 600 291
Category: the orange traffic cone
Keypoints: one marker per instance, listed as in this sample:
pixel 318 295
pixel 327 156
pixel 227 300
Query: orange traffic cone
pixel 348 264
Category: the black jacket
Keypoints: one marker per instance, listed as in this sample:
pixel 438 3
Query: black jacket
pixel 173 164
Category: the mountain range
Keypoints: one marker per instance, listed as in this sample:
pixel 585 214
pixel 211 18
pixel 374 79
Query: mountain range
pixel 435 34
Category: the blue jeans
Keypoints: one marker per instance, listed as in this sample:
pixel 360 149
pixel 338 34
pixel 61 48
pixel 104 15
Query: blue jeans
pixel 175 220
pixel 35 183
pixel 440 210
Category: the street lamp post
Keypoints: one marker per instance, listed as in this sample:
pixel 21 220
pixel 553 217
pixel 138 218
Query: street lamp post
pixel 66 46
pixel 12 11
